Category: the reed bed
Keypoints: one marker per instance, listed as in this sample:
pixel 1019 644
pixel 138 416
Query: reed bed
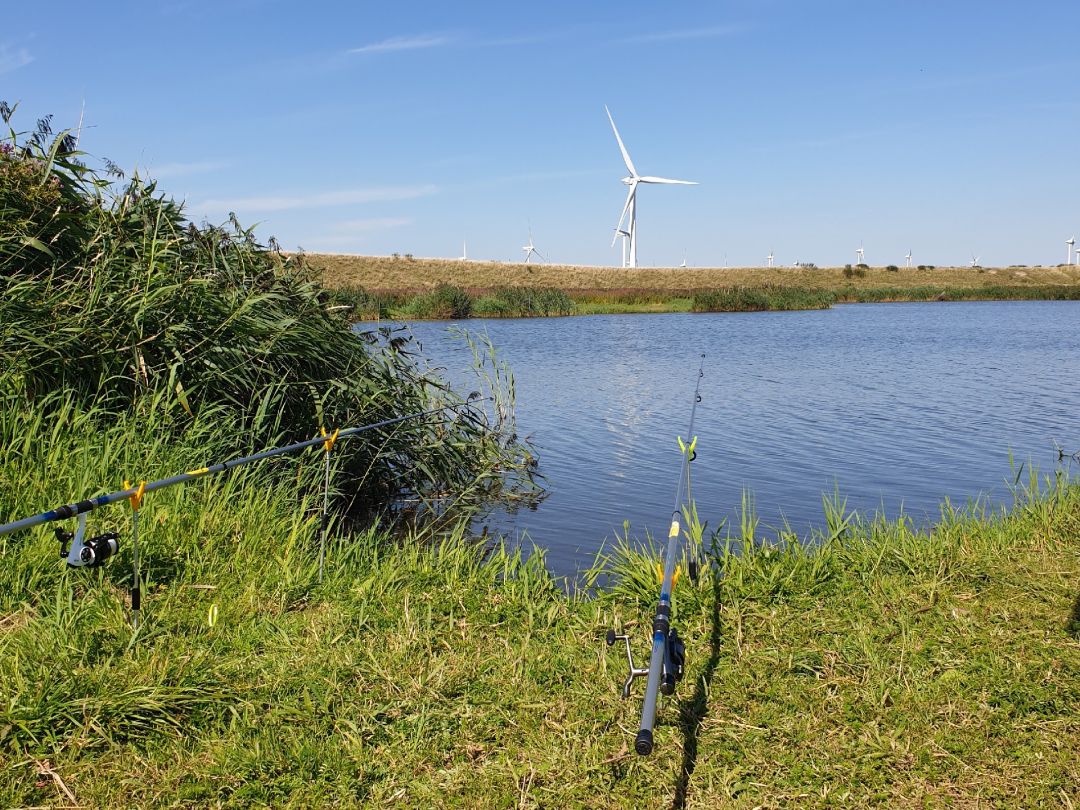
pixel 111 304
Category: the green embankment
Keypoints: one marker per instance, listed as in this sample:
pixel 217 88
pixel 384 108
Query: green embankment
pixel 883 666
pixel 403 287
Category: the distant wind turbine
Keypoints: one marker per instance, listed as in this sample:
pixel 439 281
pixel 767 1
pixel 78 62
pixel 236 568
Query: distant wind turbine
pixel 464 252
pixel 908 257
pixel 530 249
pixel 974 260
pixel 1070 242
pixel 859 253
pixel 683 259
pixel 769 258
pixel 625 239
pixel 634 180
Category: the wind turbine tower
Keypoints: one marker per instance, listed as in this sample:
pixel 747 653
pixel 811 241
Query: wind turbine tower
pixel 1070 242
pixel 625 239
pixel 633 181
pixel 908 257
pixel 974 260
pixel 769 258
pixel 464 252
pixel 859 253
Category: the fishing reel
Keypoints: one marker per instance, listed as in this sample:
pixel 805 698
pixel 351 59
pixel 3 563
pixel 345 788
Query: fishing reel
pixel 673 663
pixel 86 552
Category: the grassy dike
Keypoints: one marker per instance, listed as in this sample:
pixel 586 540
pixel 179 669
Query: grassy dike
pixel 881 665
pixel 404 287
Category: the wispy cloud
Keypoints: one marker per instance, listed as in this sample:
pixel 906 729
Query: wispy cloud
pixel 12 58
pixel 405 43
pixel 352 226
pixel 318 200
pixel 182 169
pixel 353 233
pixel 710 32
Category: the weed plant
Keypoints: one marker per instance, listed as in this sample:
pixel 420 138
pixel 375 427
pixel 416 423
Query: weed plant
pixel 112 304
pixel 758 299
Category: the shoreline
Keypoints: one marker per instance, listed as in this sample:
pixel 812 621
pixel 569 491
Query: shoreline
pixel 424 289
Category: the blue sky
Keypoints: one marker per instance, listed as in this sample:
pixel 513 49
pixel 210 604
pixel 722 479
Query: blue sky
pixel 947 128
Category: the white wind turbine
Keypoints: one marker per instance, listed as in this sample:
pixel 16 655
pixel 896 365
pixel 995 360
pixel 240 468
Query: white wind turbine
pixel 908 257
pixel 464 252
pixel 974 260
pixel 530 249
pixel 859 253
pixel 1070 242
pixel 683 259
pixel 769 258
pixel 631 198
pixel 625 239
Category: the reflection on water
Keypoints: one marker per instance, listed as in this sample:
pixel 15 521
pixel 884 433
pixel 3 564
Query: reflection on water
pixel 898 405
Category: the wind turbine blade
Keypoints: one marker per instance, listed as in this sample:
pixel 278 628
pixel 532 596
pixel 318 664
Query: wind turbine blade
pixel 615 238
pixel 541 255
pixel 625 154
pixel 629 200
pixel 666 181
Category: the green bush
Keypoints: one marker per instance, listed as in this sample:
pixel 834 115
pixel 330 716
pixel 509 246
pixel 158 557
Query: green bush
pixel 523 302
pixel 359 304
pixel 761 299
pixel 445 303
pixel 112 304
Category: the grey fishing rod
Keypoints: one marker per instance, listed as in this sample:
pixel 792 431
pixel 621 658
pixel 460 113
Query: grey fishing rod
pixel 82 507
pixel 668 652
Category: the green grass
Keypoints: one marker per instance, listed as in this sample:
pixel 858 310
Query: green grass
pixel 884 666
pixel 447 302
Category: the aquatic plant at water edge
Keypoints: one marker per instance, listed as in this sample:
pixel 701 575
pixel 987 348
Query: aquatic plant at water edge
pixel 112 303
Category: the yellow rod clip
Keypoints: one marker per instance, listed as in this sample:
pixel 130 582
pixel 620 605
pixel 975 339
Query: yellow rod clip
pixel 136 498
pixel 328 441
pixel 660 574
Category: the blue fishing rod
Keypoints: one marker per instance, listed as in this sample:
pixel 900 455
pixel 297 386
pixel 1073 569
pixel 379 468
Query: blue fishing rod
pixel 668 651
pixel 81 551
pixel 81 507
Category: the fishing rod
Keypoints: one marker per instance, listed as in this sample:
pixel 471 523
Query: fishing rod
pixel 668 655
pixel 83 552
pixel 75 509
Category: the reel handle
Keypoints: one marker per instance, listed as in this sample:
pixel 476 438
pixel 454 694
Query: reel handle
pixel 635 671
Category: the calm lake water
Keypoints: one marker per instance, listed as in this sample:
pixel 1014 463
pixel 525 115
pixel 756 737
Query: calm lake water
pixel 898 405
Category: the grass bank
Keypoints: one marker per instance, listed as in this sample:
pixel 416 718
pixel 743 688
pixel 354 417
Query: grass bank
pixel 885 667
pixel 399 287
